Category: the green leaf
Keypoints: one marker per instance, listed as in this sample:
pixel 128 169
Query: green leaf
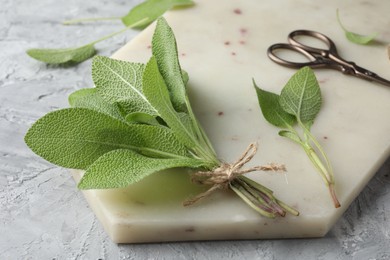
pixel 89 98
pixel 76 137
pixel 121 168
pixel 121 82
pixel 360 39
pixel 290 135
pixel 271 109
pixel 152 9
pixel 141 118
pixel 164 49
pixel 61 56
pixel 156 91
pixel 301 96
pixel 185 77
pixel 354 37
pixel 187 122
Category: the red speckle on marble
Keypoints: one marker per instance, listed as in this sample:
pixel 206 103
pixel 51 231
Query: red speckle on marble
pixel 149 46
pixel 242 42
pixel 233 53
pixel 243 31
pixel 183 54
pixel 226 43
pixel 321 81
pixel 220 113
pixel 237 11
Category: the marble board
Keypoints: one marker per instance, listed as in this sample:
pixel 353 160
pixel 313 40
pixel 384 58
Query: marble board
pixel 222 45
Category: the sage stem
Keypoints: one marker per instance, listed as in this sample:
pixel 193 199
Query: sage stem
pixel 120 31
pixel 81 20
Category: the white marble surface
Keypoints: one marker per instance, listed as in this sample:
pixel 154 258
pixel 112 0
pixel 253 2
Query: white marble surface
pixel 43 216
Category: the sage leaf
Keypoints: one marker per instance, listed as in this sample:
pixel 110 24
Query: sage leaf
pixel 272 110
pixel 187 122
pixel 164 49
pixel 121 82
pixel 354 37
pixel 76 137
pixel 89 98
pixel 152 9
pixel 156 92
pixel 290 135
pixel 360 39
pixel 185 77
pixel 61 56
pixel 141 118
pixel 301 96
pixel 114 170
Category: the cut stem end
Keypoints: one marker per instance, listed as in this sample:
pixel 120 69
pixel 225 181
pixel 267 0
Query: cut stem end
pixel 334 196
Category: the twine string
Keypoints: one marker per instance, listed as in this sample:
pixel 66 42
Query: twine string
pixel 221 176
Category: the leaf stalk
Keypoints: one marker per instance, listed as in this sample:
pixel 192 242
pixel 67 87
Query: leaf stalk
pixel 81 20
pixel 119 32
pixel 326 172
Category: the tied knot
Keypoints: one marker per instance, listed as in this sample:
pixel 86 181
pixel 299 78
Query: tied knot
pixel 221 176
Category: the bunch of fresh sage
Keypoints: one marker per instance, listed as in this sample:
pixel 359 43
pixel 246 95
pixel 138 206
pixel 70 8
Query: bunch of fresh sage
pixel 138 120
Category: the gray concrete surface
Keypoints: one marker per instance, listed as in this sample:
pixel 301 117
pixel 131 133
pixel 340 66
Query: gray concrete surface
pixel 44 216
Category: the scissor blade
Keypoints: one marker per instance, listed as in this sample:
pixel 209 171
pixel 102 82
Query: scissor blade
pixel 381 80
pixel 370 76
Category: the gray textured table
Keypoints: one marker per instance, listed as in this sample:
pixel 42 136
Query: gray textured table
pixel 44 216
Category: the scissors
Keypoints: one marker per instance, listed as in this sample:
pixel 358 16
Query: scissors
pixel 321 58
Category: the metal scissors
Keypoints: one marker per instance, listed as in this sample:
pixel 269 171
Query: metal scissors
pixel 320 58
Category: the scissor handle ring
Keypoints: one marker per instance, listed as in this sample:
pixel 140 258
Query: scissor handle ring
pixel 313 63
pixel 331 45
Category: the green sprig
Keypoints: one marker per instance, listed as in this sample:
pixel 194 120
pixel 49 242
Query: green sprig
pixel 152 9
pixel 299 103
pixel 76 54
pixel 139 17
